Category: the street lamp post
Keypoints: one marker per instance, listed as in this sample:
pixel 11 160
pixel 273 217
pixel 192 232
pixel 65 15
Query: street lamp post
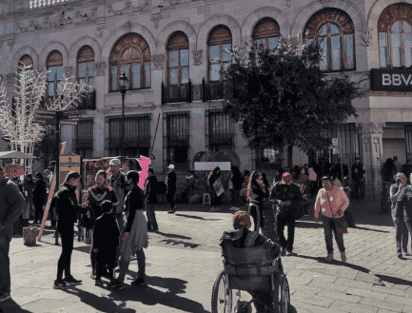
pixel 123 82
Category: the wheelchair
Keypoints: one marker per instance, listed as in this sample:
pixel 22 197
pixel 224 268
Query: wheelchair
pixel 251 270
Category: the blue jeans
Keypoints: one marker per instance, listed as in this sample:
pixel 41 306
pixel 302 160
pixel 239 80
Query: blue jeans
pixel 401 235
pixel 151 215
pixel 328 227
pixel 5 280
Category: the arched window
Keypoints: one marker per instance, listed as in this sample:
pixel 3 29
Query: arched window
pixel 28 61
pixel 131 54
pixel 266 32
pixel 220 39
pixel 178 59
pixel 335 32
pixel 55 77
pixel 395 36
pixel 85 66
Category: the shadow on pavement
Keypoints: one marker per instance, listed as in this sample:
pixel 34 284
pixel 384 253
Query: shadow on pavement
pixel 12 306
pixel 394 280
pixel 304 224
pixel 173 236
pixel 102 304
pixel 151 296
pixel 370 229
pixel 198 217
pixel 174 285
pixel 85 249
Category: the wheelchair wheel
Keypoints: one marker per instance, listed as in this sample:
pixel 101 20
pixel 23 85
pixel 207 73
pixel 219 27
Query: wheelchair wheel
pixel 254 210
pixel 221 295
pixel 281 300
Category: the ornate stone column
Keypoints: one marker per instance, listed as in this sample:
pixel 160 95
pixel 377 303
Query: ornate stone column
pixel 372 156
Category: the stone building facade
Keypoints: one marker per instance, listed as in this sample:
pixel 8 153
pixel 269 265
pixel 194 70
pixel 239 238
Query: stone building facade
pixel 172 51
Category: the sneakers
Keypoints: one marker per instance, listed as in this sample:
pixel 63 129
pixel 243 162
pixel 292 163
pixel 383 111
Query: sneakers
pixel 139 282
pixel 290 252
pixel 99 283
pixel 215 209
pixel 329 257
pixel 116 284
pixel 283 253
pixel 171 212
pixel 4 297
pixel 233 209
pixel 174 208
pixel 156 230
pixel 60 284
pixel 71 281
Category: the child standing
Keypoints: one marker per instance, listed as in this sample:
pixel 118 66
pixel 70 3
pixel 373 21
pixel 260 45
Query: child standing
pixel 106 240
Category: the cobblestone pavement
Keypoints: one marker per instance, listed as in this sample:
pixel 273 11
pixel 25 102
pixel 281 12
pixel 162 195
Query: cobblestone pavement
pixel 183 260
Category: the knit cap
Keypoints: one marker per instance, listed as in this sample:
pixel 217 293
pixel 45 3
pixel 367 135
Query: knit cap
pixel 241 218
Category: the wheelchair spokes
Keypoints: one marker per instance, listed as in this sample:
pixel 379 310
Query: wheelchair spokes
pixel 283 295
pixel 221 295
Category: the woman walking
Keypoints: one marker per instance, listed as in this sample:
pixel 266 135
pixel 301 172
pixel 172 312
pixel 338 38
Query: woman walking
pixel 135 232
pixel 235 186
pixel 214 176
pixel 39 197
pixel 95 196
pixel 67 209
pixel 257 192
pixel 331 202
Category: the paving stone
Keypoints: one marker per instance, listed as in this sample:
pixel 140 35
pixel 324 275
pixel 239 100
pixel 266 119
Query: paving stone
pixel 353 307
pixel 303 307
pixel 312 299
pixel 403 300
pixel 365 293
pixel 339 296
pixel 382 304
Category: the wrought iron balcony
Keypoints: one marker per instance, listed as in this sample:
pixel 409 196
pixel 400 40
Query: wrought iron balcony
pixel 177 93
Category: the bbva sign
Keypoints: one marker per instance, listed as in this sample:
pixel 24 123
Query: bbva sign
pixel 391 79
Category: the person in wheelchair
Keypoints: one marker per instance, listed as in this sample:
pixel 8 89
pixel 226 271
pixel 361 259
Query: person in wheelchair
pixel 242 237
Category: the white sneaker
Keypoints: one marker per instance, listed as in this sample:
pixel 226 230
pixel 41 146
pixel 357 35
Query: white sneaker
pixel 212 209
pixel 233 209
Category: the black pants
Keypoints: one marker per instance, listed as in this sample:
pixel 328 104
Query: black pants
pixel 38 206
pixel 105 259
pixel 282 220
pixel 252 212
pixel 170 197
pixel 67 236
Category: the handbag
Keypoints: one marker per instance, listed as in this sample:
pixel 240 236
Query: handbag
pixel 340 223
pixel 218 186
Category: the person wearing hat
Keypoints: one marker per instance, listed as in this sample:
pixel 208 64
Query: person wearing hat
pixel 12 204
pixel 171 188
pixel 287 196
pixel 331 202
pixel 242 237
pixel 118 182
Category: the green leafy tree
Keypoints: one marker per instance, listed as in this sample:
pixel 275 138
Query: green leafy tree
pixel 282 98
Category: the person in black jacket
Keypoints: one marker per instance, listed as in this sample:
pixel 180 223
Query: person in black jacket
pixel 235 186
pixel 67 209
pixel 357 175
pixel 212 178
pixel 39 197
pixel 171 188
pixel 287 195
pixel 257 192
pixel 151 201
pixel 106 240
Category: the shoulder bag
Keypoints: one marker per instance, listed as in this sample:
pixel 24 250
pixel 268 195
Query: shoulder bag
pixel 340 223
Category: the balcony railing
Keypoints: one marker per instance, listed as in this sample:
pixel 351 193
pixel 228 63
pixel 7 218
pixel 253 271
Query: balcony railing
pixel 88 101
pixel 34 4
pixel 188 92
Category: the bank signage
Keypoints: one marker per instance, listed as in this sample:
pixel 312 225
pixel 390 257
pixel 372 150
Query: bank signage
pixel 391 79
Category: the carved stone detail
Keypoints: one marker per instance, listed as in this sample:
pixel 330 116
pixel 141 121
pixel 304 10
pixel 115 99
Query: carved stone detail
pixel 367 143
pixel 375 128
pixel 367 37
pixel 68 71
pixel 174 2
pixel 128 8
pixel 157 61
pixel 197 57
pixel 156 17
pixel 100 68
pixel 127 25
pixel 99 31
pixel 288 3
pixel 86 17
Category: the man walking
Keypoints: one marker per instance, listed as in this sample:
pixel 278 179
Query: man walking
pixel 118 182
pixel 151 201
pixel 287 196
pixel 171 188
pixel 400 226
pixel 357 175
pixel 12 203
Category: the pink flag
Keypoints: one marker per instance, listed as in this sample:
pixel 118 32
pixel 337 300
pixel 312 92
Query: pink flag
pixel 144 164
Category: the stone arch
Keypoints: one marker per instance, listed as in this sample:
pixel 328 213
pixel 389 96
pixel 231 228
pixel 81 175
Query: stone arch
pixel 54 45
pixel 119 32
pixel 272 12
pixel 345 5
pixel 19 53
pixel 220 19
pixel 167 31
pixel 377 7
pixel 84 41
